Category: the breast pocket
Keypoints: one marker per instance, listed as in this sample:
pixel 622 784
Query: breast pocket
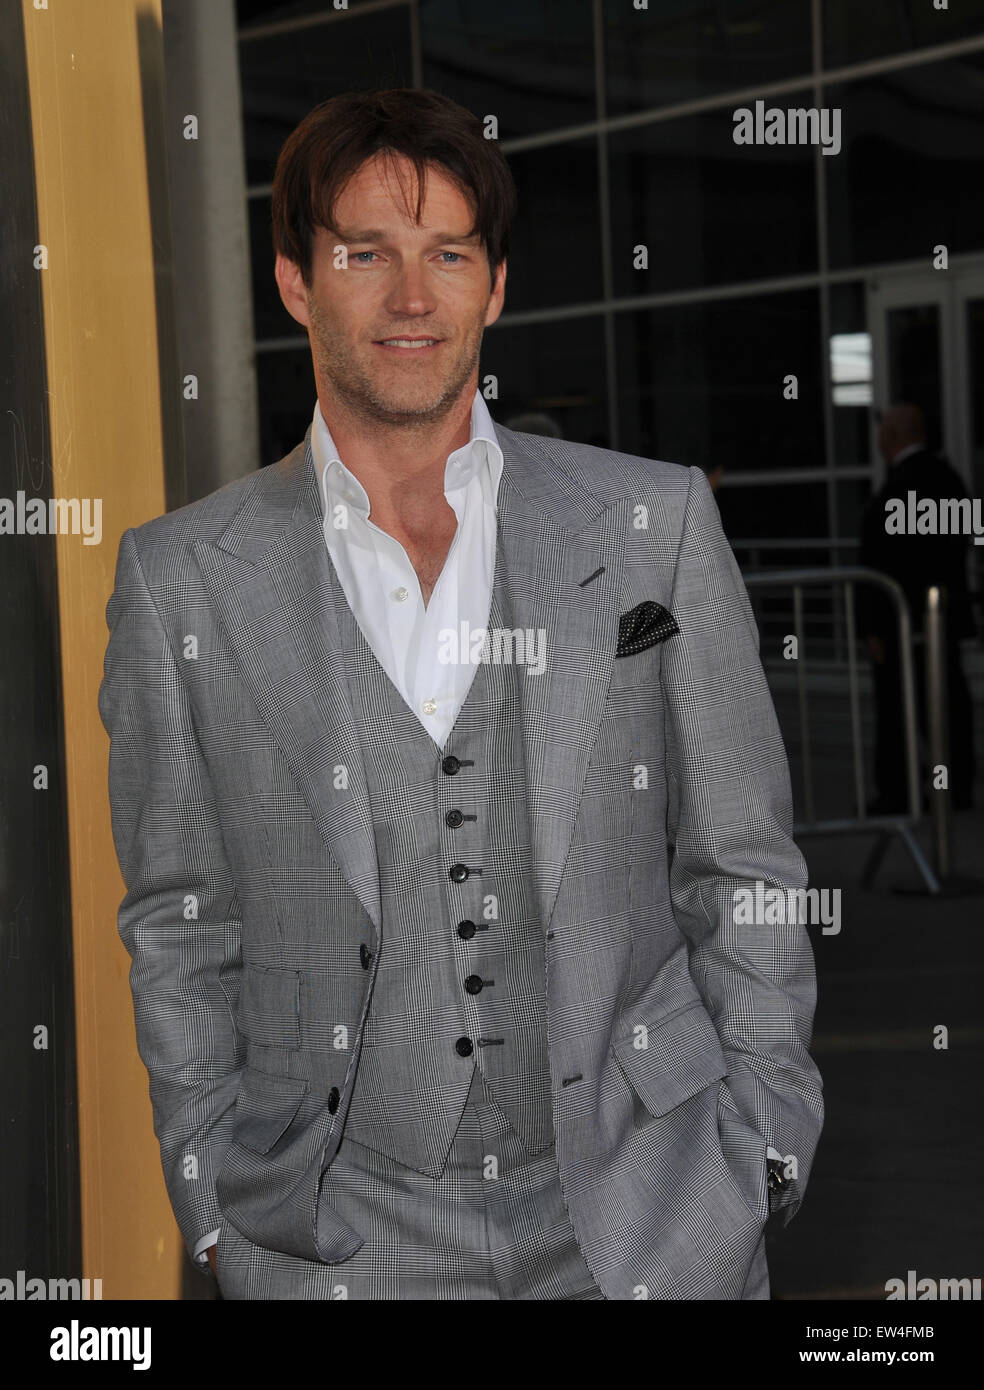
pixel 269 1007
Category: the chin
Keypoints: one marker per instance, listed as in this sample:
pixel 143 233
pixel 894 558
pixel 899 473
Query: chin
pixel 415 405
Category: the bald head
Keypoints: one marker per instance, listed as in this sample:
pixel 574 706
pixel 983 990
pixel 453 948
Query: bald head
pixel 901 424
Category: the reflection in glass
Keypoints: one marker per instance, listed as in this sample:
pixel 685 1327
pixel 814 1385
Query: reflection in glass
pixel 854 33
pixel 975 392
pixel 703 384
pixel 914 368
pixel 283 76
pixel 250 12
pixel 556 244
pixel 287 393
pixel 909 174
pixel 531 65
pixel 851 370
pixel 676 52
pixel 707 210
pixel 557 369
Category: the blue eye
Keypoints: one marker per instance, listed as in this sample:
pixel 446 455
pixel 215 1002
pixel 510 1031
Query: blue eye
pixel 456 254
pixel 363 253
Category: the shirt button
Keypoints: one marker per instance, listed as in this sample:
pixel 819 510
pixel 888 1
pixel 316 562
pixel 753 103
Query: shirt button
pixel 473 984
pixel 429 706
pixel 458 873
pixel 463 1047
pixel 466 930
pixel 401 595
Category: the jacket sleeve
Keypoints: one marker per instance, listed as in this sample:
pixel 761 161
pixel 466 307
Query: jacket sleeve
pixel 729 820
pixel 180 918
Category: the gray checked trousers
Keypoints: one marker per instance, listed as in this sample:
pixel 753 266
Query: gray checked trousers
pixel 493 1226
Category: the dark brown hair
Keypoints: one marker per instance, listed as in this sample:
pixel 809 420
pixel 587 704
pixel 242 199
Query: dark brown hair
pixel 335 139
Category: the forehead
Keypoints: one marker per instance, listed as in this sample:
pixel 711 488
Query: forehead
pixel 385 190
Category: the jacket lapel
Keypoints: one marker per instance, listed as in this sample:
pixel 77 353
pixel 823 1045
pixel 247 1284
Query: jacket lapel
pixel 268 577
pixel 554 534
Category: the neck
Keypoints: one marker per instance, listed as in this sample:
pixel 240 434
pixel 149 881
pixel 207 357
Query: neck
pixel 400 466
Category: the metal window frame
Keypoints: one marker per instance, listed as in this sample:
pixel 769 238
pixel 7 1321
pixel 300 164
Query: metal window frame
pixel 601 128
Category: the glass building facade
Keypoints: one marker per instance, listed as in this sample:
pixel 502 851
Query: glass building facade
pixel 762 263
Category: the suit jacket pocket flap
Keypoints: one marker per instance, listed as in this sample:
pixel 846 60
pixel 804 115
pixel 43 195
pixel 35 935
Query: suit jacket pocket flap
pixel 265 1107
pixel 670 1061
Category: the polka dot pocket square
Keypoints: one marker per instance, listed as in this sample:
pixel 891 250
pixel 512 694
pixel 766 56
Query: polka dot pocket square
pixel 644 626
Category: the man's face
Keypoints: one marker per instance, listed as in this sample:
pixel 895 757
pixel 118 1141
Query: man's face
pixel 402 281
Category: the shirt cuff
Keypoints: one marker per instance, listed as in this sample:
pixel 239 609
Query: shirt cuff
pixel 201 1249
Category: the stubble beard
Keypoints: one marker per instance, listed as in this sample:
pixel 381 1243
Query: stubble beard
pixel 364 398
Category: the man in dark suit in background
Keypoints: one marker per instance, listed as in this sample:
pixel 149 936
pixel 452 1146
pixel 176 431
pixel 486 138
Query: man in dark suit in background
pixel 916 562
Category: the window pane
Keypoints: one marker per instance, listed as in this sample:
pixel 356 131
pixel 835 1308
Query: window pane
pixel 852 498
pixel 676 52
pixel 912 164
pixel 250 12
pixel 702 384
pixel 853 32
pixel 850 372
pixel 915 367
pixel 530 63
pixel 974 310
pixel 270 318
pixel 709 211
pixel 556 369
pixel 556 240
pixel 287 393
pixel 284 76
pixel 775 513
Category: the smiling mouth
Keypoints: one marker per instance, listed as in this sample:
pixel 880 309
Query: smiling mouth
pixel 409 344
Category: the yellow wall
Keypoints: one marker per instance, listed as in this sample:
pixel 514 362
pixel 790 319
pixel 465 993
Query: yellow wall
pixel 87 97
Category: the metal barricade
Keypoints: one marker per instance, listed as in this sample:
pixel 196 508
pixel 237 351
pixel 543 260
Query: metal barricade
pixel 844 579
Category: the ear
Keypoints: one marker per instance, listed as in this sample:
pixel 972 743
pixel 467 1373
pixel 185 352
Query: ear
pixel 497 295
pixel 293 294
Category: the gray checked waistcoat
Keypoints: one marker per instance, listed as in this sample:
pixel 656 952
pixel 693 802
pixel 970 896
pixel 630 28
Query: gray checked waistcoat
pixel 461 979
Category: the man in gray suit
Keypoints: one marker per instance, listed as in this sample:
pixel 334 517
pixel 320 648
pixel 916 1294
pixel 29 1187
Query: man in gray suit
pixel 440 756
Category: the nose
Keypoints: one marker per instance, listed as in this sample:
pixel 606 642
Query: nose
pixel 409 293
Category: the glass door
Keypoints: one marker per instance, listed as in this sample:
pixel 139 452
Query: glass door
pixel 971 345
pixel 927 338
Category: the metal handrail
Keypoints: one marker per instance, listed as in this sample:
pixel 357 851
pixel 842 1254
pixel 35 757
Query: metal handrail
pixel 846 577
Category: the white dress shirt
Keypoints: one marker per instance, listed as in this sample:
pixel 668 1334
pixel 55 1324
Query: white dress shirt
pixel 904 453
pixel 381 585
pixel 383 591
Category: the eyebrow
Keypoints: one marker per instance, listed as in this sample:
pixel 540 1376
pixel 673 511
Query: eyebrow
pixel 358 234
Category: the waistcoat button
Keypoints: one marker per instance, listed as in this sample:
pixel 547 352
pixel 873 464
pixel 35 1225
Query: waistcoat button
pixel 458 872
pixel 450 765
pixel 473 984
pixel 454 819
pixel 334 1095
pixel 466 930
pixel 463 1047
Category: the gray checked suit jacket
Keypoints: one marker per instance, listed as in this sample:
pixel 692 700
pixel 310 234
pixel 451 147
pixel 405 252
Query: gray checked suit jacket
pixel 658 786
